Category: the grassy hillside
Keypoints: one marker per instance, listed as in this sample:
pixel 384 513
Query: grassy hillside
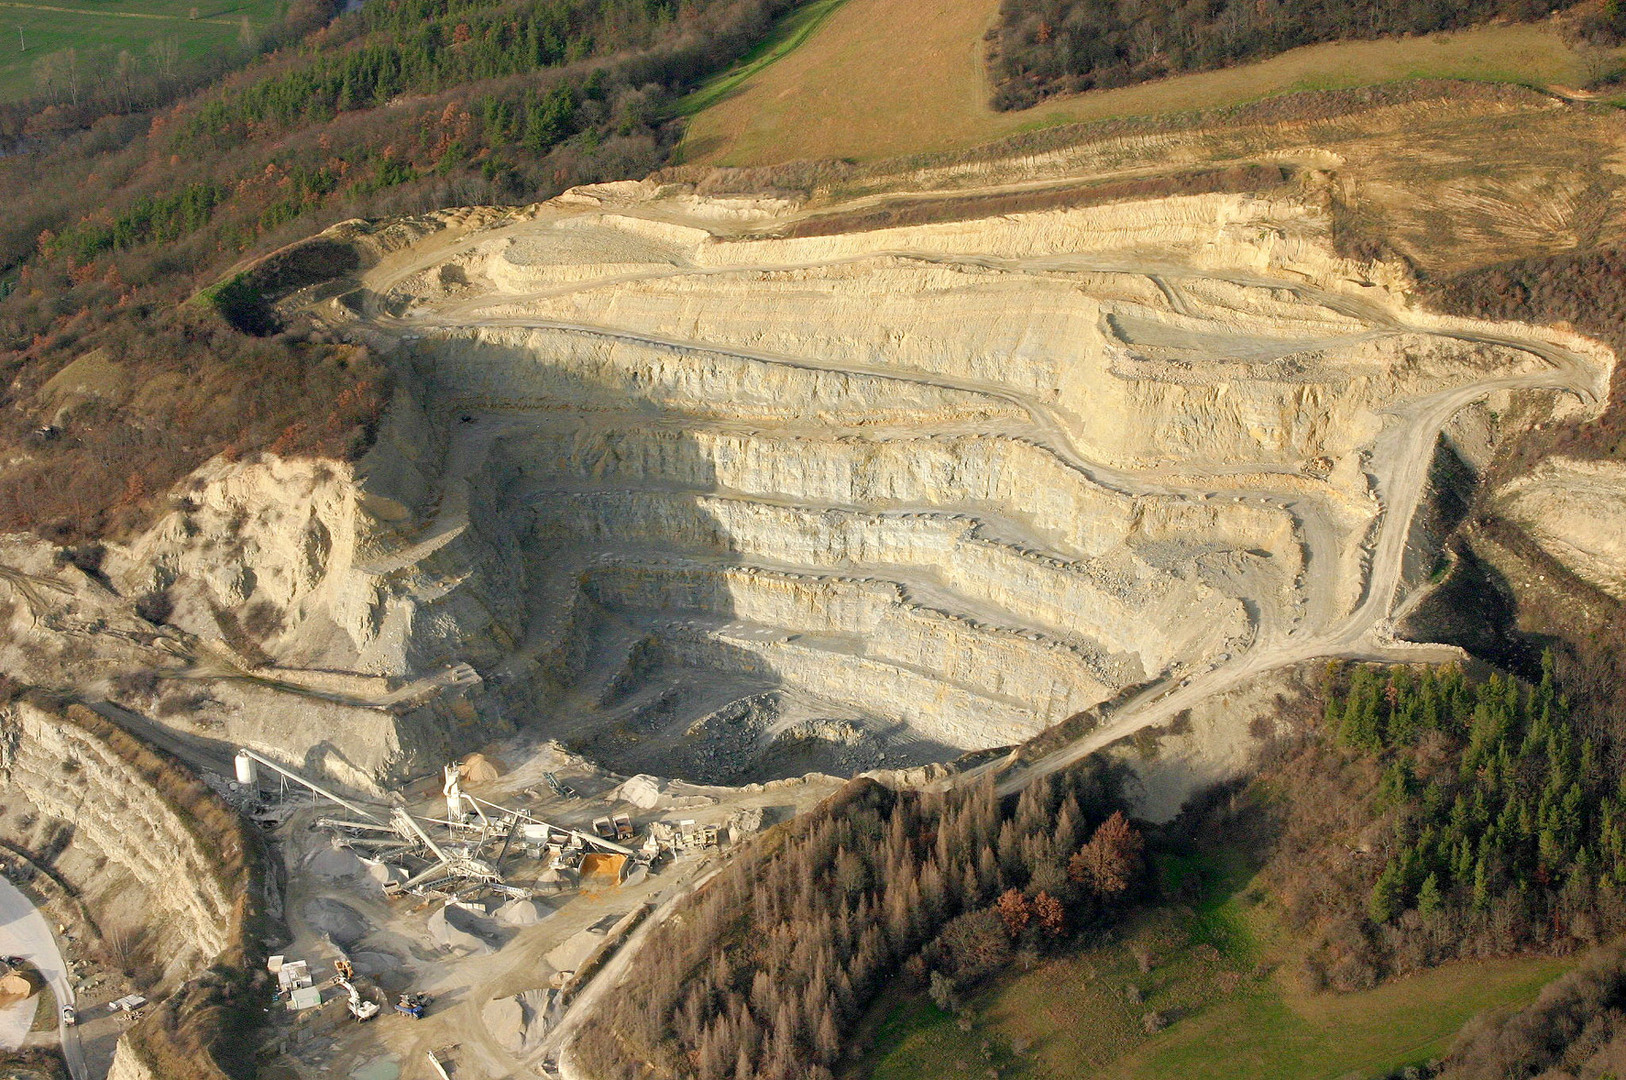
pixel 1041 48
pixel 1073 1016
pixel 788 34
pixel 1333 918
pixel 841 94
pixel 158 32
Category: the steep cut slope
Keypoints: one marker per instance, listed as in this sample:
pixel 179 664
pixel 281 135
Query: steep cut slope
pixel 906 491
pixel 716 488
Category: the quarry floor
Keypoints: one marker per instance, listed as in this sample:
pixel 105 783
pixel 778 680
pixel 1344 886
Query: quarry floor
pixel 1331 590
pixel 325 1042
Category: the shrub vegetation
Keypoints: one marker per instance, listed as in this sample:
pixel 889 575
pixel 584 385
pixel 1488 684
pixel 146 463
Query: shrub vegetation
pixel 1045 47
pixel 396 107
pixel 1432 817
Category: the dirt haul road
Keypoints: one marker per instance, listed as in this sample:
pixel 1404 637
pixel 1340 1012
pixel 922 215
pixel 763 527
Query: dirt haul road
pixel 1330 587
pixel 1400 462
pixel 1397 465
pixel 25 933
pixel 1352 539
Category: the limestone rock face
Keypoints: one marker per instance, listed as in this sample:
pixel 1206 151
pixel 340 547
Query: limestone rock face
pixel 127 1066
pixel 934 487
pixel 924 489
pixel 279 606
pixel 158 869
pixel 1576 511
pixel 641 791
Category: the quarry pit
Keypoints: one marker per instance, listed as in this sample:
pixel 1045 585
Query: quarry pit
pixel 668 492
pixel 713 502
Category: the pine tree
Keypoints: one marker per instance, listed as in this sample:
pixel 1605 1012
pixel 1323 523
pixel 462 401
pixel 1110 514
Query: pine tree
pixel 1386 898
pixel 1429 900
pixel 827 1039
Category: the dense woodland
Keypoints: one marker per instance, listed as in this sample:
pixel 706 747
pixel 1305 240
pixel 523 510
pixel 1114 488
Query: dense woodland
pixel 1045 47
pixel 763 972
pixel 1432 817
pixel 398 107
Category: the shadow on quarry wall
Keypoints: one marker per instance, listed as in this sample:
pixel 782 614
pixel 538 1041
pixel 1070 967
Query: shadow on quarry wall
pixel 1447 499
pixel 1471 603
pixel 1474 607
pixel 636 688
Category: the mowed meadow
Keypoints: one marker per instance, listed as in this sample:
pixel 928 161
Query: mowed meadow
pixel 157 34
pixel 1201 991
pixel 883 78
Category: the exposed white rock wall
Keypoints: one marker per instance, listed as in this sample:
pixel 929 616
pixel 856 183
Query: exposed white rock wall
pixel 127 1066
pixel 587 371
pixel 1240 370
pixel 971 476
pixel 993 475
pixel 1576 511
pixel 952 715
pixel 884 624
pixel 69 774
pixel 1117 600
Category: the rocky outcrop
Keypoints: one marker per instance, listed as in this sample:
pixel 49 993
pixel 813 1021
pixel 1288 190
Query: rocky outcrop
pixel 957 481
pixel 75 767
pixel 149 837
pixel 1576 512
pixel 950 483
pixel 279 605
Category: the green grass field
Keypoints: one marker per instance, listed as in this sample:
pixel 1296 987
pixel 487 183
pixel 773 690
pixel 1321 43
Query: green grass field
pixel 1229 1012
pixel 30 31
pixel 791 32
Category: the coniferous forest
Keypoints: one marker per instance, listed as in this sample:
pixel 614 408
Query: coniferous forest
pixel 1431 816
pixel 773 960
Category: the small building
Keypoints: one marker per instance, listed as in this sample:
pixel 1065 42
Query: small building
pixel 293 975
pixel 305 997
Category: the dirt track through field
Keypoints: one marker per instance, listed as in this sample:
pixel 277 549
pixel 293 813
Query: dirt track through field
pixel 839 95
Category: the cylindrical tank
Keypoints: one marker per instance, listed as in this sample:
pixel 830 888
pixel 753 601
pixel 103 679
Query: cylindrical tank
pixel 248 770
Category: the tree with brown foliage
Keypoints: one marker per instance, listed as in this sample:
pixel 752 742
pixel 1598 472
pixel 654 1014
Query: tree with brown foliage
pixel 1051 913
pixel 780 954
pixel 1015 911
pixel 1108 863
